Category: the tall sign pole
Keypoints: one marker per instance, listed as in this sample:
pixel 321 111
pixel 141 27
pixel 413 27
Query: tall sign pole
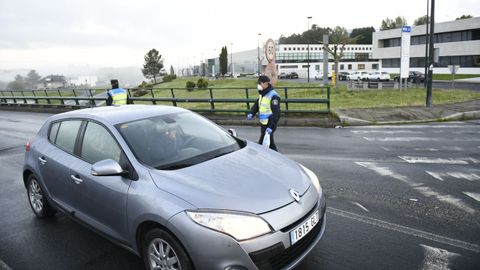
pixel 405 54
pixel 430 56
pixel 308 49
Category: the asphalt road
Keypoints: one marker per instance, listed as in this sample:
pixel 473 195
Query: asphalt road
pixel 398 197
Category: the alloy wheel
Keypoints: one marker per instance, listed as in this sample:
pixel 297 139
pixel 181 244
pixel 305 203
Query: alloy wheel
pixel 36 196
pixel 162 256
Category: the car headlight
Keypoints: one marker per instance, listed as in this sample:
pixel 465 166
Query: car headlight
pixel 239 226
pixel 312 177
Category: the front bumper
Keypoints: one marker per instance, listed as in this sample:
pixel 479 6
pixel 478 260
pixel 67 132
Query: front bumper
pixel 209 249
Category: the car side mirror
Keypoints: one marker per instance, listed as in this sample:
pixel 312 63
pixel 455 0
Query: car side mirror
pixel 232 132
pixel 107 167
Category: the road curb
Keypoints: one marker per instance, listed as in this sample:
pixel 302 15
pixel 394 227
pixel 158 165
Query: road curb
pixel 350 121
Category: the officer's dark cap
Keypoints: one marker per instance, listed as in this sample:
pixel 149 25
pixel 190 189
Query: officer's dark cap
pixel 114 82
pixel 263 79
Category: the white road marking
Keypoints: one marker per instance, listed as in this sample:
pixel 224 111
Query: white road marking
pixel 475 196
pixel 436 258
pixel 387 131
pixel 427 149
pixel 429 160
pixel 406 230
pixel 401 139
pixel 419 126
pixel 429 192
pixel 413 200
pixel 436 175
pixel 419 139
pixel 420 187
pixel 361 206
pixel 457 175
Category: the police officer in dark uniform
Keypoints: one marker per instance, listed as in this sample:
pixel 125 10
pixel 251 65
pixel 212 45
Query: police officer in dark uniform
pixel 268 108
pixel 116 96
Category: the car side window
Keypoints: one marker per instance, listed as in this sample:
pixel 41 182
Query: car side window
pixel 98 144
pixel 52 135
pixel 67 134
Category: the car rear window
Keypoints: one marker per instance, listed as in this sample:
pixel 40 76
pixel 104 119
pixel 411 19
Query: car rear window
pixel 67 134
pixel 52 135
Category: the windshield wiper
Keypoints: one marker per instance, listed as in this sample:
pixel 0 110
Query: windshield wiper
pixel 175 166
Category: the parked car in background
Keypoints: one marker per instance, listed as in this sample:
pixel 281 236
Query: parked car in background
pixel 318 75
pixel 282 75
pixel 357 75
pixel 378 76
pixel 292 75
pixel 342 76
pixel 174 188
pixel 414 77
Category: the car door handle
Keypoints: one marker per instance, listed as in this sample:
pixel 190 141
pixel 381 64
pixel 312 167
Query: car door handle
pixel 76 179
pixel 42 160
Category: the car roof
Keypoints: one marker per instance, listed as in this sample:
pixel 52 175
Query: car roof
pixel 120 114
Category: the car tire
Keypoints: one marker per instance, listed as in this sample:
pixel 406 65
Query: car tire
pixel 158 241
pixel 37 199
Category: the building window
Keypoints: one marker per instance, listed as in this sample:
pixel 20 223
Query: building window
pixel 349 66
pixel 361 66
pixel 375 66
pixel 391 63
pixel 342 67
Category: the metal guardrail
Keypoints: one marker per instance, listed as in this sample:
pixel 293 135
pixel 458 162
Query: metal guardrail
pixel 300 100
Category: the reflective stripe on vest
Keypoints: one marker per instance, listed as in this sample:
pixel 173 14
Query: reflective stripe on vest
pixel 119 96
pixel 265 110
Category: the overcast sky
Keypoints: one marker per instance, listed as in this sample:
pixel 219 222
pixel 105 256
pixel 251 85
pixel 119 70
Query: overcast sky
pixel 55 33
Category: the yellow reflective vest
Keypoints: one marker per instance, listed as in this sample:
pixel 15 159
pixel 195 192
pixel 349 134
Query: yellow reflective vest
pixel 119 96
pixel 264 106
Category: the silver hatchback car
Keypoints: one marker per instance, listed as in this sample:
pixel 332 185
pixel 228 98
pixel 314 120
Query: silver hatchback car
pixel 175 188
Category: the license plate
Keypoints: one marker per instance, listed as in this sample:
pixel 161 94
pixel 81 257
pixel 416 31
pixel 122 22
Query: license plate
pixel 304 228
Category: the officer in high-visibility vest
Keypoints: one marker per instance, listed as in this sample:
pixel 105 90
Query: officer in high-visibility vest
pixel 268 108
pixel 116 96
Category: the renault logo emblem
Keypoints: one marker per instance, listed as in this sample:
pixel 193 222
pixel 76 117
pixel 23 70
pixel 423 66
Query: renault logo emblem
pixel 294 194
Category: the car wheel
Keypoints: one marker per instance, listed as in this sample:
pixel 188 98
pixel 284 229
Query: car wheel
pixel 162 251
pixel 38 201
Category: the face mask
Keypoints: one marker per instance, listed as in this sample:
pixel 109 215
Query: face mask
pixel 259 87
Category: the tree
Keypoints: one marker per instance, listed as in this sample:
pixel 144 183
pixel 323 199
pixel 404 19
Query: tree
pixel 18 84
pixel 392 24
pixel 336 47
pixel 153 65
pixel 363 35
pixel 464 17
pixel 32 78
pixel 172 71
pixel 421 20
pixel 310 36
pixel 223 60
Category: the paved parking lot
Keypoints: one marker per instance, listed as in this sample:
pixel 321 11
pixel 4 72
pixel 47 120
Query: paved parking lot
pixel 398 197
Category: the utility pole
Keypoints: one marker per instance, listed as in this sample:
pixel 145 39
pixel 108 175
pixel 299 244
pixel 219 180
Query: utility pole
pixel 308 49
pixel 258 53
pixel 426 46
pixel 430 56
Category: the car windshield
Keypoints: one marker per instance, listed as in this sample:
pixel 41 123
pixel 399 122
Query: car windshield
pixel 174 141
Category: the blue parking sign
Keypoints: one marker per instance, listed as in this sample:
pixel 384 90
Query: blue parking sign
pixel 406 29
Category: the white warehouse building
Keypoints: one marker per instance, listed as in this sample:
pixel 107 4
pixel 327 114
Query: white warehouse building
pixel 458 43
pixel 293 58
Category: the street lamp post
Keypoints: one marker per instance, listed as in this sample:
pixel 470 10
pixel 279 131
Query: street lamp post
pixel 308 49
pixel 258 53
pixel 231 59
pixel 430 55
